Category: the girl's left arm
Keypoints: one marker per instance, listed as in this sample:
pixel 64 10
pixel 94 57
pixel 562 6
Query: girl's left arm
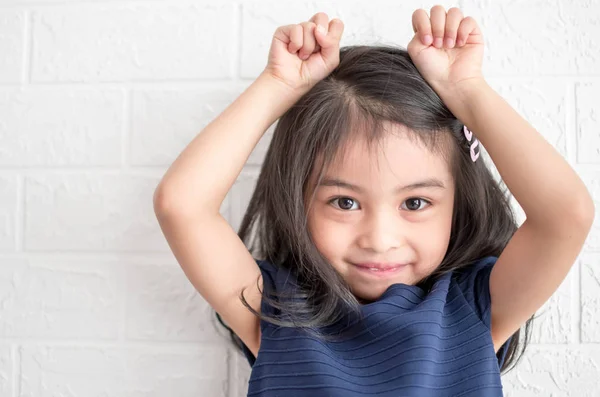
pixel 557 205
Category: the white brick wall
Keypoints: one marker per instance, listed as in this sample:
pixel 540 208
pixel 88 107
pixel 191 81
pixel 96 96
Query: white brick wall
pixel 96 100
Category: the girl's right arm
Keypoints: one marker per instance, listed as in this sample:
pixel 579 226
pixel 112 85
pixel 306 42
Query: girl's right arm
pixel 189 196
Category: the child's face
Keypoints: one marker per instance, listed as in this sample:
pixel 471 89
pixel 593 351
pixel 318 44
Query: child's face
pixel 376 224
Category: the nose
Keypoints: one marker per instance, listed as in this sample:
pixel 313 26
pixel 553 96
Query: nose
pixel 380 232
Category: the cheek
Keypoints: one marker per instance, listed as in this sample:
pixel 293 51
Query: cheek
pixel 331 238
pixel 433 244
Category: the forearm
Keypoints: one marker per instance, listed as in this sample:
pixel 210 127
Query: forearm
pixel 544 184
pixel 200 177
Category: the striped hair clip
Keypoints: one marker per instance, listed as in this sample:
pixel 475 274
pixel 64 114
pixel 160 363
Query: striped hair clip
pixel 474 144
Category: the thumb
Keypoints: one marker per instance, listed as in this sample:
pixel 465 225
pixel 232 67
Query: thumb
pixel 415 46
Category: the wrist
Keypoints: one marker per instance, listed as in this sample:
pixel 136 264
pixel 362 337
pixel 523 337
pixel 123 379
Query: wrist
pixel 280 87
pixel 273 97
pixel 463 97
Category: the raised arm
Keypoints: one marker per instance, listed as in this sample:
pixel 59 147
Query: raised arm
pixel 189 196
pixel 558 206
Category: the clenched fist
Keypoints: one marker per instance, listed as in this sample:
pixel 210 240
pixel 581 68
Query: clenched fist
pixel 447 48
pixel 303 54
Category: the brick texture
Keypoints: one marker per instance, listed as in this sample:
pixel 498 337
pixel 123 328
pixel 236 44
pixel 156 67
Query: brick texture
pixel 98 97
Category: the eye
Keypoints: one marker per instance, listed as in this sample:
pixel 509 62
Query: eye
pixel 345 203
pixel 414 203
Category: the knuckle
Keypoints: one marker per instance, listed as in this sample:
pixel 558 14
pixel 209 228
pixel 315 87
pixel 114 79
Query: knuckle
pixel 296 36
pixel 322 15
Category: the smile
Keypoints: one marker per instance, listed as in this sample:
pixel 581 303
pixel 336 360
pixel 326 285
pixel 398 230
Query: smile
pixel 380 271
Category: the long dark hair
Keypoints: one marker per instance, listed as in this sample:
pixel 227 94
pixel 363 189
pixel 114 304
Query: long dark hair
pixel 370 86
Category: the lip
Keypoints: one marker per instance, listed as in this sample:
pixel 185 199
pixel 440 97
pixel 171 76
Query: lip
pixel 380 269
pixel 380 266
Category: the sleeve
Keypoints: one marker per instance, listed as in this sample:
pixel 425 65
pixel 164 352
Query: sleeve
pixel 269 274
pixel 475 286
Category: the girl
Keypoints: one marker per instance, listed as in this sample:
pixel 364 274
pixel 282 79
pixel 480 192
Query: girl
pixel 389 261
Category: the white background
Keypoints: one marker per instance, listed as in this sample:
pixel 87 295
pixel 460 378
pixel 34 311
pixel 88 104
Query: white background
pixel 97 98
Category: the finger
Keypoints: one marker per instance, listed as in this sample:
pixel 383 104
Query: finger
pixel 329 40
pixel 283 33
pixel 309 42
pixel 320 19
pixel 330 36
pixel 282 38
pixel 467 28
pixel 453 19
pixel 438 25
pixel 422 26
pixel 296 37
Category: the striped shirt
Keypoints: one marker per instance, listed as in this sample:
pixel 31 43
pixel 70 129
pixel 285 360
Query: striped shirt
pixel 410 342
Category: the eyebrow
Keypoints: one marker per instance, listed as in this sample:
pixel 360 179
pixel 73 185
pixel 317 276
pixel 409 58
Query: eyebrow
pixel 431 182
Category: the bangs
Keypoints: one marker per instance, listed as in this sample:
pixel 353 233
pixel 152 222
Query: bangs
pixel 367 122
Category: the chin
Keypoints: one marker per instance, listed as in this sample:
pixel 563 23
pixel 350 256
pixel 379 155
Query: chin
pixel 369 294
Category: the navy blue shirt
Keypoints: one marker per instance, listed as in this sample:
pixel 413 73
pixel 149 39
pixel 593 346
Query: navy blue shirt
pixel 411 342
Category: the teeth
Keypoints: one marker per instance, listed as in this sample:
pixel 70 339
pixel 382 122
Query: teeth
pixel 376 269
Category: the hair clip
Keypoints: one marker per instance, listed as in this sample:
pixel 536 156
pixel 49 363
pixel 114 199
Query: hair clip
pixel 469 136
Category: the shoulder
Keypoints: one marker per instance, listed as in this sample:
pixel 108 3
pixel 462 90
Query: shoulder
pixel 469 270
pixel 267 287
pixel 267 269
pixel 276 277
pixel 469 275
pixel 473 283
pixel 278 282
